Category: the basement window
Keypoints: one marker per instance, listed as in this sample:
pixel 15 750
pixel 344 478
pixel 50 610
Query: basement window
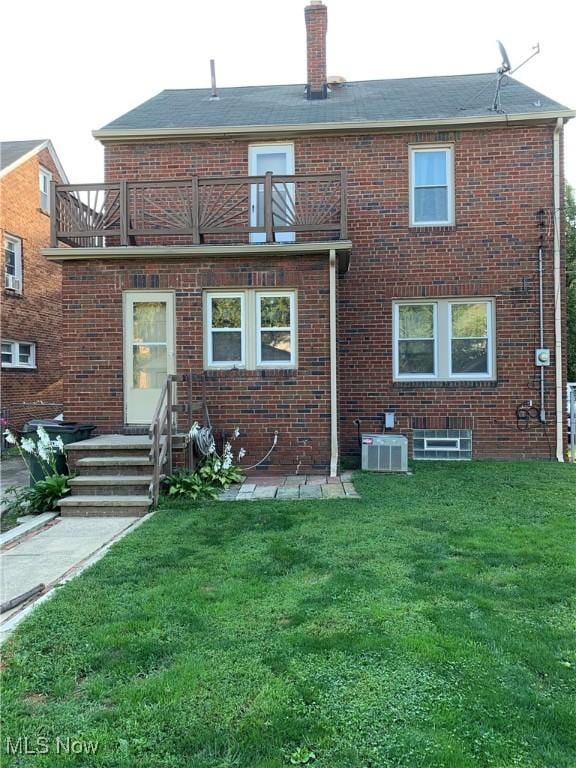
pixel 447 444
pixel 250 329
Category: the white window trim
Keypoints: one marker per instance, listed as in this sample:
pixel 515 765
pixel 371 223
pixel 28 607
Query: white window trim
pixel 449 150
pixel 415 376
pixel 211 363
pixel 44 173
pixel 16 354
pixel 292 329
pixel 17 241
pixel 489 338
pixel 443 340
pixel 250 306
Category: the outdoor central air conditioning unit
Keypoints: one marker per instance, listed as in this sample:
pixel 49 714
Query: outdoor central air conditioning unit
pixel 384 453
pixel 12 283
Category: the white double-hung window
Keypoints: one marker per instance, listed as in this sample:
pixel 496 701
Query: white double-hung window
pixel 13 263
pixel 431 186
pixel 250 329
pixel 444 339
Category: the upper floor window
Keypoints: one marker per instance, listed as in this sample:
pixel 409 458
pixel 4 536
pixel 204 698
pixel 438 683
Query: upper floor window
pixel 445 339
pixel 18 354
pixel 13 263
pixel 250 329
pixel 431 186
pixel 44 178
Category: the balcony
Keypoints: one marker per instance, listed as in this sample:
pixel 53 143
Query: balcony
pixel 201 211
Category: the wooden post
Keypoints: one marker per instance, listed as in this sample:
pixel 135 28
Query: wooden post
pixel 268 216
pixel 169 417
pixel 124 217
pixel 195 211
pixel 343 204
pixel 53 216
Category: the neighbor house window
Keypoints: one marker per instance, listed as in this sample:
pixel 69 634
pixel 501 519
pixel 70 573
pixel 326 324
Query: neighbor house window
pixel 431 186
pixel 250 329
pixel 445 339
pixel 18 354
pixel 13 263
pixel 44 178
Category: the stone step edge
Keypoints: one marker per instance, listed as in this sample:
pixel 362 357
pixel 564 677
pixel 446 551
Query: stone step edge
pixel 96 461
pixel 111 480
pixel 105 501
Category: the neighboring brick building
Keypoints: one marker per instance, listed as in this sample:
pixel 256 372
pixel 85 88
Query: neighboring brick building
pixel 32 286
pixel 431 206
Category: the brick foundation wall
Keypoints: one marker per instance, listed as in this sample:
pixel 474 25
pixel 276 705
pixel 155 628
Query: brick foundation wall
pixel 35 315
pixel 503 176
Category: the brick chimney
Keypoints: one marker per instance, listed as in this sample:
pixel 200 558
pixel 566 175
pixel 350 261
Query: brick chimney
pixel 316 15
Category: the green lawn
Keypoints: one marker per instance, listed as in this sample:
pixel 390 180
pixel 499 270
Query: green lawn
pixel 427 624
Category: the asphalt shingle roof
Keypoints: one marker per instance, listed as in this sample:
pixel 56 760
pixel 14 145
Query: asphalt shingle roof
pixel 453 96
pixel 10 151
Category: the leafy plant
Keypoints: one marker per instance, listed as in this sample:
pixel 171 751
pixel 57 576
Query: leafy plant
pixel 302 756
pixel 47 489
pixel 190 485
pixel 41 497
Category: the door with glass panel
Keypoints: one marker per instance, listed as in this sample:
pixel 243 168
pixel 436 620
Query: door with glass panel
pixel 148 351
pixel 279 160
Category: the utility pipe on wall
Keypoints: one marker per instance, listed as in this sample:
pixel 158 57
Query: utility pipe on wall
pixel 558 296
pixel 333 370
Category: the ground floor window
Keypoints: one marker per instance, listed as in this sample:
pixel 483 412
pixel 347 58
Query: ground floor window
pixel 250 329
pixel 18 354
pixel 444 339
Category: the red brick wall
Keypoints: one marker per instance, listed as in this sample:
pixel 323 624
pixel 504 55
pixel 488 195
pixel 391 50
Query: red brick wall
pixel 36 314
pixel 296 403
pixel 503 176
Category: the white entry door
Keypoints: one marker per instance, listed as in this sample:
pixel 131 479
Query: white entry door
pixel 148 351
pixel 278 159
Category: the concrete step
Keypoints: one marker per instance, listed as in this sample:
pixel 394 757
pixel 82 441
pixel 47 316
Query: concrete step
pixel 108 445
pixel 110 485
pixel 104 506
pixel 114 465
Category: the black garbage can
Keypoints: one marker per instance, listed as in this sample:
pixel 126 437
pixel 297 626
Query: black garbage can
pixel 69 431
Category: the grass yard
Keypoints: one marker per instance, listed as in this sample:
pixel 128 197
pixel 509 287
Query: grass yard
pixel 428 624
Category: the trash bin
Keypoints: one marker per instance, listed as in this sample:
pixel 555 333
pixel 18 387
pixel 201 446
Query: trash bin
pixel 69 431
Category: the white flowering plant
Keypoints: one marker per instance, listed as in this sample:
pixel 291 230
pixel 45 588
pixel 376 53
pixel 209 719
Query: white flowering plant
pixel 50 485
pixel 214 474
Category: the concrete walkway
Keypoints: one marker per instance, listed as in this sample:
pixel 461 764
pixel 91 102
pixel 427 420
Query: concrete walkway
pixel 292 487
pixel 13 472
pixel 55 553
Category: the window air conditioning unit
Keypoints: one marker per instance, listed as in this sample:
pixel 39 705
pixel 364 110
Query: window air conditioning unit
pixel 384 453
pixel 12 283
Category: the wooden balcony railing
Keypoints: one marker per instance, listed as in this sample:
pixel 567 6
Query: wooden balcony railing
pixel 211 210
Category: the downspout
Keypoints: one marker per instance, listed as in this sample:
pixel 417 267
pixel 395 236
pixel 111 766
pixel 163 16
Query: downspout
pixel 558 296
pixel 333 370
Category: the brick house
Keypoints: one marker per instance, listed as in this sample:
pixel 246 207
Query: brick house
pixel 324 253
pixel 32 286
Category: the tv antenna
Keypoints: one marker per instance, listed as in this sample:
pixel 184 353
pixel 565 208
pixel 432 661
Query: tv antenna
pixel 505 68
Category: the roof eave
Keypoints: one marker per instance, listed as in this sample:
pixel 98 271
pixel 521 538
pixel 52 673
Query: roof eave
pixel 144 134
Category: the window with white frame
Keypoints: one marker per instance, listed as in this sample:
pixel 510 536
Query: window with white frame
pixel 444 339
pixel 18 354
pixel 44 179
pixel 431 186
pixel 13 263
pixel 250 329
